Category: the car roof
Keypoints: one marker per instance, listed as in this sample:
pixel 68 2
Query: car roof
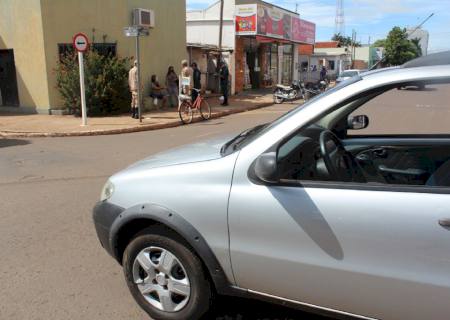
pixel 431 60
pixel 435 59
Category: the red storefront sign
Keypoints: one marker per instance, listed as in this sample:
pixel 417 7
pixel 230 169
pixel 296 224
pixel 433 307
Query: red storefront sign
pixel 303 31
pixel 246 19
pixel 246 24
pixel 273 22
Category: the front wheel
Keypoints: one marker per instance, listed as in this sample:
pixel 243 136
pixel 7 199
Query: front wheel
pixel 165 277
pixel 205 110
pixel 185 112
pixel 276 98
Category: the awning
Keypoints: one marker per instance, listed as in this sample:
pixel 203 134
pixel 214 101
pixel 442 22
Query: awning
pixel 208 47
pixel 263 39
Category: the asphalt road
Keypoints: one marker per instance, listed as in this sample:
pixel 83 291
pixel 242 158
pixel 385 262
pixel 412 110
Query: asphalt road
pixel 52 265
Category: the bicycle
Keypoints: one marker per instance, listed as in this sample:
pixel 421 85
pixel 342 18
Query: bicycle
pixel 186 108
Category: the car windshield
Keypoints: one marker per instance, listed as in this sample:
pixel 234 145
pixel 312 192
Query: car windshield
pixel 349 74
pixel 249 135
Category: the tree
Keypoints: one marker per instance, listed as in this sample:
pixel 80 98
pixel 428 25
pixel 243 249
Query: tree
pixel 398 49
pixel 416 43
pixel 345 41
pixel 105 80
pixel 379 43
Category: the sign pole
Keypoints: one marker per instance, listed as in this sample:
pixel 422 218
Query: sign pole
pixel 82 89
pixel 138 79
pixel 81 44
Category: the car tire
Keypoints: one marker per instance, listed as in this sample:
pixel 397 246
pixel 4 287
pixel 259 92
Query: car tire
pixel 200 292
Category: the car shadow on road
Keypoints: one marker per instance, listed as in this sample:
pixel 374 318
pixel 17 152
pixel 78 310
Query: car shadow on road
pixel 231 308
pixel 4 143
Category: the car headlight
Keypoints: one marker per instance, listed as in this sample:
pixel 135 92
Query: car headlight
pixel 107 192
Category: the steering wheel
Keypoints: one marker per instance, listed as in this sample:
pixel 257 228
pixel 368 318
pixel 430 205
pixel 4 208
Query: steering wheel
pixel 341 165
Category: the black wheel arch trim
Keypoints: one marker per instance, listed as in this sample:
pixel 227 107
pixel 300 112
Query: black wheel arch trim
pixel 174 221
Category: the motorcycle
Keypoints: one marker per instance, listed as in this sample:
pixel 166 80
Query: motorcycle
pixel 292 92
pixel 314 89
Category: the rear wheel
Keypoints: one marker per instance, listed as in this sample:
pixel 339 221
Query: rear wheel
pixel 166 278
pixel 205 110
pixel 185 112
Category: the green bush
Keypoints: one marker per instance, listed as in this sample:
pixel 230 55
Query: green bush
pixel 106 82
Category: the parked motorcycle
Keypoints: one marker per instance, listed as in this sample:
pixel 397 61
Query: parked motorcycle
pixel 285 93
pixel 314 89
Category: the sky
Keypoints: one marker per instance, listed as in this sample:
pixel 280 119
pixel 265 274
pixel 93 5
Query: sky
pixel 371 19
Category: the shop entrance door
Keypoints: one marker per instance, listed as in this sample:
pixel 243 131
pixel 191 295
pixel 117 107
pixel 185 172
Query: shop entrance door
pixel 9 95
pixel 253 69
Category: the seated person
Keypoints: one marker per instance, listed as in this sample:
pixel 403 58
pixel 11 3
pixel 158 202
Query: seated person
pixel 157 91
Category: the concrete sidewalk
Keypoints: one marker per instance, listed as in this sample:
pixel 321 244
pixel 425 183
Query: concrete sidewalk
pixel 37 125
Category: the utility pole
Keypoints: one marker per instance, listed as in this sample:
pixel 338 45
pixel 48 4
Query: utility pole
pixel 353 46
pixel 296 7
pixel 221 26
pixel 220 39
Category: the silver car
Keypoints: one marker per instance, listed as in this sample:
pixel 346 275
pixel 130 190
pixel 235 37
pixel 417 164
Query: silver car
pixel 341 206
pixel 347 74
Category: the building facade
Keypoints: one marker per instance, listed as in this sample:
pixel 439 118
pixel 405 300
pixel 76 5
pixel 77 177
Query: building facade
pixel 422 35
pixel 33 33
pixel 337 59
pixel 260 41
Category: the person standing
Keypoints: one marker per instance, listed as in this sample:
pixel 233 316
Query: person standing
pixel 172 85
pixel 133 85
pixel 224 74
pixel 186 72
pixel 197 76
pixel 323 74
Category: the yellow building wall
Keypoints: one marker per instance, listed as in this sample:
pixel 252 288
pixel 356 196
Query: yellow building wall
pixel 21 30
pixel 166 44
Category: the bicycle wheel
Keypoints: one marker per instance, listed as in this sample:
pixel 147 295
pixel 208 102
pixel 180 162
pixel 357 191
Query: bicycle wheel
pixel 185 112
pixel 205 110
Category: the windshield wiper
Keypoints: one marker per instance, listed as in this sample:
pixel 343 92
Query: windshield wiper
pixel 234 143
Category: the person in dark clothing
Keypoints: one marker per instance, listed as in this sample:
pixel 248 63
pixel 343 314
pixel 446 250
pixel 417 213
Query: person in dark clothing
pixel 197 75
pixel 157 92
pixel 224 74
pixel 323 74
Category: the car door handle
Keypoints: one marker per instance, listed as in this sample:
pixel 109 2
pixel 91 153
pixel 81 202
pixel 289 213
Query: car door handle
pixel 445 222
pixel 406 172
pixel 380 152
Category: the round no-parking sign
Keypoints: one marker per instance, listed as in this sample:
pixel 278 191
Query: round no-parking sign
pixel 80 42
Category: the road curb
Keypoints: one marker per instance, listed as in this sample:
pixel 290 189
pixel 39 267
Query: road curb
pixel 139 128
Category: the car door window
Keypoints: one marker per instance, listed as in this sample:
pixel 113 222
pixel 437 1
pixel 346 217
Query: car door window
pixel 422 109
pixel 403 139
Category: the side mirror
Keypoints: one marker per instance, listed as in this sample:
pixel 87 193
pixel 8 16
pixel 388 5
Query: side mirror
pixel 358 122
pixel 266 167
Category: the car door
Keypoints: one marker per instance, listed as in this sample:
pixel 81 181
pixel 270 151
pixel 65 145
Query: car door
pixel 373 249
pixel 377 252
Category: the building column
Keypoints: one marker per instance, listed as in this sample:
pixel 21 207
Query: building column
pixel 295 66
pixel 239 65
pixel 280 64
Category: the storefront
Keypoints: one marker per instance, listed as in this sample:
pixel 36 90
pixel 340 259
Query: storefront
pixel 267 39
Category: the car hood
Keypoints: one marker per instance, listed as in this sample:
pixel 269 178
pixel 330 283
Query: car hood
pixel 199 151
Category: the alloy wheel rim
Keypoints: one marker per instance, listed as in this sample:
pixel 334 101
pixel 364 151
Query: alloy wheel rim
pixel 161 279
